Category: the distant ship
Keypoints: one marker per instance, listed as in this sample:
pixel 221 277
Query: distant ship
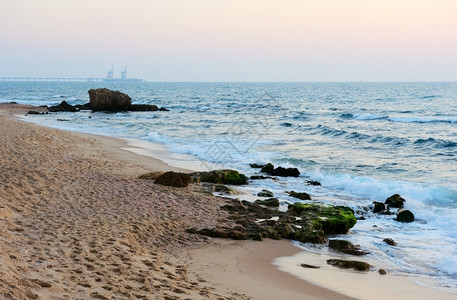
pixel 110 76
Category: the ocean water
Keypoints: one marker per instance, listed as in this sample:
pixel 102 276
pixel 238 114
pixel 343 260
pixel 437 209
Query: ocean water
pixel 362 141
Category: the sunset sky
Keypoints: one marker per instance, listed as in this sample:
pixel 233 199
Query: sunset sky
pixel 231 40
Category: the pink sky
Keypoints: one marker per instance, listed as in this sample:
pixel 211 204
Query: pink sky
pixel 231 40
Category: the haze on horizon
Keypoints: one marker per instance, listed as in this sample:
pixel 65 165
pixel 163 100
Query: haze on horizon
pixel 231 40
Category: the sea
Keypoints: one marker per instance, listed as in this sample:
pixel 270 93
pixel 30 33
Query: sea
pixel 362 141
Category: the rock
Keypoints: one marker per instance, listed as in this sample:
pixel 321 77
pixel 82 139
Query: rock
pixel 142 107
pixel 267 168
pixel 265 193
pixel 256 166
pixel 346 247
pixel 332 219
pixel 272 202
pixel 219 188
pixel 237 233
pixel 301 196
pixel 279 171
pixel 221 177
pixel 108 100
pixel 33 112
pixel 390 241
pixel 378 207
pixel 382 272
pixel 405 216
pixel 309 266
pixel 150 176
pixel 395 201
pixel 163 109
pixel 312 182
pixel 83 107
pixel 261 177
pixel 63 106
pixel 174 179
pixel 349 264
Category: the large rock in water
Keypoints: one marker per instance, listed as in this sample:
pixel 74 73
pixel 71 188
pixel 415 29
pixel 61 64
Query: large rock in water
pixel 405 216
pixel 395 201
pixel 108 100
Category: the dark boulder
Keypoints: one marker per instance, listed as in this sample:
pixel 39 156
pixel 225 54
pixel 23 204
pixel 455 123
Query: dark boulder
pixel 267 168
pixel 405 216
pixel 265 193
pixel 390 242
pixel 221 177
pixel 63 106
pixel 312 182
pixel 395 201
pixel 382 272
pixel 108 100
pixel 378 207
pixel 346 247
pixel 285 172
pixel 174 179
pixel 301 196
pixel 272 202
pixel 349 264
pixel 279 171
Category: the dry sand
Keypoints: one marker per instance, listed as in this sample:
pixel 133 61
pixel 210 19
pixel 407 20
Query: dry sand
pixel 75 223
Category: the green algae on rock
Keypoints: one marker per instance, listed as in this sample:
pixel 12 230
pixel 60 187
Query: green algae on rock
pixel 221 177
pixel 332 219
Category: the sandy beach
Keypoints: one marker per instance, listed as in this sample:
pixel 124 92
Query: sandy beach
pixel 76 223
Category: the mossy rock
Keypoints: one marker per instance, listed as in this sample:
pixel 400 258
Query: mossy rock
pixel 332 219
pixel 224 177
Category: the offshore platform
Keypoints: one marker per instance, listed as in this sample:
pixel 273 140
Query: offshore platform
pixel 123 78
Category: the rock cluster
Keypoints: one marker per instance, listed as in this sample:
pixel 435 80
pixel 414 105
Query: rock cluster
pixel 306 223
pixel 220 177
pixel 394 201
pixel 279 171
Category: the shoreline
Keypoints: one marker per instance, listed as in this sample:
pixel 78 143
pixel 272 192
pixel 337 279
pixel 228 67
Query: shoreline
pixel 250 264
pixel 77 224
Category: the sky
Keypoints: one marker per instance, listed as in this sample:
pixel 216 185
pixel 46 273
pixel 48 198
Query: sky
pixel 231 40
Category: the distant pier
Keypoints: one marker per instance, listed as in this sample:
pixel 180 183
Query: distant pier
pixel 28 79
